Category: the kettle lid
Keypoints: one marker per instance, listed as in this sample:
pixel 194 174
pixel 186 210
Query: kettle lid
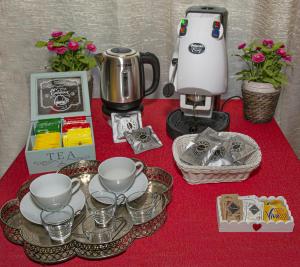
pixel 120 51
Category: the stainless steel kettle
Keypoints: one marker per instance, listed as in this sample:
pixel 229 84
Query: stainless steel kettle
pixel 122 78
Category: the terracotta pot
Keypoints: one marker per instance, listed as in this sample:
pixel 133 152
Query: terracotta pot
pixel 260 101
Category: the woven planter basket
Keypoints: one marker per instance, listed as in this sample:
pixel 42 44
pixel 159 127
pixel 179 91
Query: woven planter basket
pixel 213 174
pixel 259 107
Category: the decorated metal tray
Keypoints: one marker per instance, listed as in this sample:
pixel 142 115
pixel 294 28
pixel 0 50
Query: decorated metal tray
pixel 40 248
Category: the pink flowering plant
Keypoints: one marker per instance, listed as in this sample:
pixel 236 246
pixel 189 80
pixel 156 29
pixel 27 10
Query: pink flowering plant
pixel 266 62
pixel 69 52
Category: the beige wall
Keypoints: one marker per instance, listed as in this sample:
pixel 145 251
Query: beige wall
pixel 140 24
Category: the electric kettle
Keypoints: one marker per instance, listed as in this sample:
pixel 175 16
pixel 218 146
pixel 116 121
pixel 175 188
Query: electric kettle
pixel 122 78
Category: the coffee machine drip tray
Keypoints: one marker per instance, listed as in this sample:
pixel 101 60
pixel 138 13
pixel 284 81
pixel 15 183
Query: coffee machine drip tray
pixel 178 124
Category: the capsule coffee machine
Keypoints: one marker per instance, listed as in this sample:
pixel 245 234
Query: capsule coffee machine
pixel 198 72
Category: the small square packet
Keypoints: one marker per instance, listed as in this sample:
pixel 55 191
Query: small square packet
pixel 240 149
pixel 200 152
pixel 253 208
pixel 231 208
pixel 125 122
pixel 142 139
pixel 221 156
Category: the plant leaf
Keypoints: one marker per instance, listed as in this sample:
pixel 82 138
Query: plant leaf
pixel 40 44
pixel 92 62
pixel 277 46
pixel 84 60
pixel 65 37
pixel 77 39
pixel 56 44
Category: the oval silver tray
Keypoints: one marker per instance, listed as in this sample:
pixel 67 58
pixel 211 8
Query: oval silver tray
pixel 40 248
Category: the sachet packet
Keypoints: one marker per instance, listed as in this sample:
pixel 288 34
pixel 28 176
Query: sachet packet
pixel 125 122
pixel 143 139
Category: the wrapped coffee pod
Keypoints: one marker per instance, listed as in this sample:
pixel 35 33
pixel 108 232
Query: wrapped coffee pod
pixel 143 139
pixel 125 122
pixel 200 152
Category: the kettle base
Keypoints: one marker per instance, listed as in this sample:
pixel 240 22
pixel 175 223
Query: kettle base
pixel 108 110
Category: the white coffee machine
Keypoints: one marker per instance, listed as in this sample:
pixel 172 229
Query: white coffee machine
pixel 198 71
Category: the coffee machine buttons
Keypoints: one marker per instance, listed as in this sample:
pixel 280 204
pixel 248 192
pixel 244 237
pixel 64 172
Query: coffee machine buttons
pixel 184 22
pixel 216 24
pixel 183 26
pixel 215 33
pixel 182 31
pixel 216 29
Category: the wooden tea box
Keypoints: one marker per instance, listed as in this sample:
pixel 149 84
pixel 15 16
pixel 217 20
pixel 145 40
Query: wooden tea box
pixel 58 95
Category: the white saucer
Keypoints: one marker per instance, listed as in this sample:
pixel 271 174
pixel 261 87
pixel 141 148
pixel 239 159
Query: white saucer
pixel 32 212
pixel 140 184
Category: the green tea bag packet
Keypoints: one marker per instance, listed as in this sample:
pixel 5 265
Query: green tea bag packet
pixel 47 126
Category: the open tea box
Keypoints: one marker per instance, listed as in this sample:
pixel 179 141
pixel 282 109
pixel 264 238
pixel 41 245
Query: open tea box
pixel 60 96
pixel 253 214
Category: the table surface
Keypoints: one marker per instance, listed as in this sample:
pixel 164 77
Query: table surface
pixel 190 235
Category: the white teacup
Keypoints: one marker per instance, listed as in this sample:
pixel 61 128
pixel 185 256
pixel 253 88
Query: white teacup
pixel 53 191
pixel 118 174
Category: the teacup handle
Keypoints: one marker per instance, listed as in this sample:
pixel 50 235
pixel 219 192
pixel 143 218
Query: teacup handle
pixel 75 185
pixel 139 168
pixel 121 199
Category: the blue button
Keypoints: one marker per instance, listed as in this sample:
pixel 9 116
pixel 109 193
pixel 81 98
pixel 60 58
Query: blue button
pixel 215 33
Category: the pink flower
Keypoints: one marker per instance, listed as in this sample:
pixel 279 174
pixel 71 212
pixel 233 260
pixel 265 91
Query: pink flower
pixel 74 46
pixel 50 46
pixel 61 50
pixel 281 52
pixel 287 58
pixel 91 47
pixel 268 42
pixel 258 58
pixel 56 34
pixel 242 45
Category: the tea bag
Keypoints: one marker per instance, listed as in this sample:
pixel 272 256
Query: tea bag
pixel 253 208
pixel 275 210
pixel 142 139
pixel 47 126
pixel 125 122
pixel 231 208
pixel 200 152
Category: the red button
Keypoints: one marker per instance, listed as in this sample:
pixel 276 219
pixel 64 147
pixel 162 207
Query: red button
pixel 182 30
pixel 217 25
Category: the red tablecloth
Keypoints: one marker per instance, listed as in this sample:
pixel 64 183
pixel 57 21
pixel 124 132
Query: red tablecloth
pixel 190 236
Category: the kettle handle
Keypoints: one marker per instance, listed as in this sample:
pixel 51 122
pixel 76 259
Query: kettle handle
pixel 151 59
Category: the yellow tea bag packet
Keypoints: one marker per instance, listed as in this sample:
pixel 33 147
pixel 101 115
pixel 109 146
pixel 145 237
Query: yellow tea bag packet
pixel 47 141
pixel 78 137
pixel 275 210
